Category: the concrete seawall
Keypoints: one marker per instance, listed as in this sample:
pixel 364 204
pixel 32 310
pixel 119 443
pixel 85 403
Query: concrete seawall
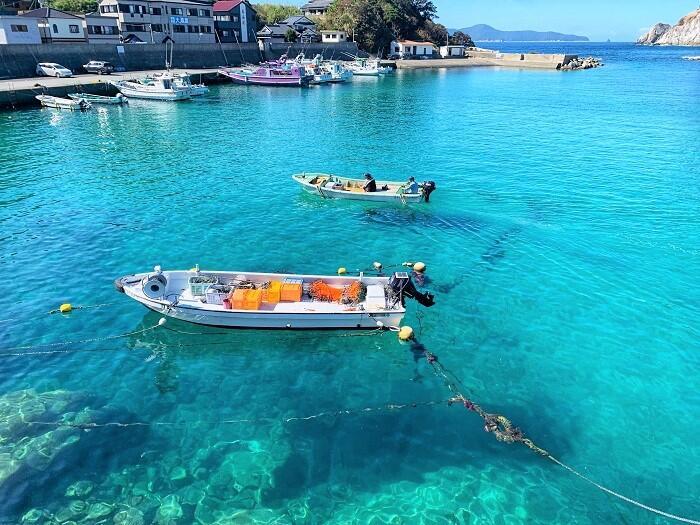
pixel 20 60
pixel 492 58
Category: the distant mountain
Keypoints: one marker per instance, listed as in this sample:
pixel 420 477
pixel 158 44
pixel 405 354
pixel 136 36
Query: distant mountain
pixel 485 32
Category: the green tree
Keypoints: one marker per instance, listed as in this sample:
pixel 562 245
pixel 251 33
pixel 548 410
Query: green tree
pixel 75 6
pixel 459 38
pixel 290 35
pixel 272 13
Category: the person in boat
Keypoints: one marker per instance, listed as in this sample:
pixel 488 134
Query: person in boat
pixel 411 186
pixel 370 185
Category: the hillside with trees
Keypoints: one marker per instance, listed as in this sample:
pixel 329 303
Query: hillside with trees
pixel 273 13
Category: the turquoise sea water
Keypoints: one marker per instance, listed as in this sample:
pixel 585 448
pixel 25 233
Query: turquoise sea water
pixel 563 244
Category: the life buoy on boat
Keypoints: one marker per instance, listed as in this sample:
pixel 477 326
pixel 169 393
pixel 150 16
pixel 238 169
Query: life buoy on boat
pixel 154 286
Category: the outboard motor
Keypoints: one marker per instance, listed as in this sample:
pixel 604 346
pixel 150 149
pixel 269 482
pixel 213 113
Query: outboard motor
pixel 402 286
pixel 154 286
pixel 428 188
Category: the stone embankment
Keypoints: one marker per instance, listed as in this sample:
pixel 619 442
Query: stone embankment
pixel 581 63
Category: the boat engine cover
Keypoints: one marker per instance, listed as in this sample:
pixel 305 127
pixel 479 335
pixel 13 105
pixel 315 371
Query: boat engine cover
pixel 154 287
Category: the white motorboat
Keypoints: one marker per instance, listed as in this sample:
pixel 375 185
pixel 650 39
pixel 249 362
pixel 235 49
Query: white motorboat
pixel 320 75
pixel 183 80
pixel 334 187
pixel 162 87
pixel 63 103
pixel 99 99
pixel 692 57
pixel 274 301
pixel 338 72
pixel 368 68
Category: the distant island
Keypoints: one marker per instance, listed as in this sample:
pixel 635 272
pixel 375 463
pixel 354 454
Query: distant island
pixel 487 33
pixel 685 33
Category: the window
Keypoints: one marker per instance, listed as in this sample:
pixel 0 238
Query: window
pixel 111 30
pixel 124 8
pixel 156 11
pixel 137 28
pixel 176 11
pixel 204 12
pixel 108 9
pixel 192 12
pixel 192 29
pixel 205 29
pixel 235 18
pixel 226 32
pixel 19 28
pixel 222 18
pixel 157 28
pixel 73 28
pixel 55 28
pixel 178 29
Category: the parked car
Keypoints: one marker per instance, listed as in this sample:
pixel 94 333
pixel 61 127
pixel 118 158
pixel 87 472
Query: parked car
pixel 50 69
pixel 99 66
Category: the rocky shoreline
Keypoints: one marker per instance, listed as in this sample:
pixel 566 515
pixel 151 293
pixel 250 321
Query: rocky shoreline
pixel 685 33
pixel 582 63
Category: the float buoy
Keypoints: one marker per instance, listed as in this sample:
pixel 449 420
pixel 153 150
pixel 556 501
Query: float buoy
pixel 405 333
pixel 65 308
pixel 377 265
pixel 342 271
pixel 419 267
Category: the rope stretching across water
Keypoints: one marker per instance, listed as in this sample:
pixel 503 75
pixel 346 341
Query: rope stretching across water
pixel 505 431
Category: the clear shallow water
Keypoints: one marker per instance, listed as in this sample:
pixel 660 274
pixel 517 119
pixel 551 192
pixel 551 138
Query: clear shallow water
pixel 563 243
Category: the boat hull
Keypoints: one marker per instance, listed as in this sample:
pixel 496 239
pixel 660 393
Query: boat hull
pixel 266 81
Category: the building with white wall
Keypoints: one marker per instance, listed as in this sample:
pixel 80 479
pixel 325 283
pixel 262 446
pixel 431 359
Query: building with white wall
pixel 18 30
pixel 56 26
pixel 333 37
pixel 410 48
pixel 185 22
pixel 101 29
pixel 452 51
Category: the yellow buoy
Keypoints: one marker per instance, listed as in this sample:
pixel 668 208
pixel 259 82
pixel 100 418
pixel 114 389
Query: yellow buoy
pixel 419 267
pixel 405 333
pixel 377 265
pixel 65 308
pixel 342 271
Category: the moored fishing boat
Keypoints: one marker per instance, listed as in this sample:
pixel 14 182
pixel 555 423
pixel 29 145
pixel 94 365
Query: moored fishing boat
pixel 99 99
pixel 162 87
pixel 269 75
pixel 63 103
pixel 338 72
pixel 183 80
pixel 274 301
pixel 334 187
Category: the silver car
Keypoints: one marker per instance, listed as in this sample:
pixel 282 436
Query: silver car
pixel 51 69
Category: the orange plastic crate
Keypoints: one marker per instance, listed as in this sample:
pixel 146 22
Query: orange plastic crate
pixel 253 300
pixel 237 298
pixel 272 294
pixel 291 292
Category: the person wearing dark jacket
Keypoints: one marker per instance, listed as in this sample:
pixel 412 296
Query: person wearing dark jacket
pixel 370 184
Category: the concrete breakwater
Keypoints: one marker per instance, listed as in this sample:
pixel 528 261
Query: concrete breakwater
pixel 484 57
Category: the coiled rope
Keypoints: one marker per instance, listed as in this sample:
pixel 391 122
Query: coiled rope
pixel 505 431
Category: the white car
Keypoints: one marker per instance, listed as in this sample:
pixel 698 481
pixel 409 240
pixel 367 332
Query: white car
pixel 49 69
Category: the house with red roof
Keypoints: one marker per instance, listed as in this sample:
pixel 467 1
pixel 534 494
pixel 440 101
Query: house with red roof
pixel 235 21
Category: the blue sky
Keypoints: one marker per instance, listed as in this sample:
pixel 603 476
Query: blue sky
pixel 618 20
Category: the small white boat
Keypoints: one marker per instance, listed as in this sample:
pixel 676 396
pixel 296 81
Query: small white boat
pixel 274 301
pixel 183 80
pixel 63 103
pixel 368 68
pixel 162 87
pixel 99 99
pixel 334 187
pixel 320 75
pixel 692 57
pixel 338 72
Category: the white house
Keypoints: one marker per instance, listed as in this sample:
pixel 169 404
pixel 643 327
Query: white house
pixel 333 37
pixel 56 26
pixel 17 30
pixel 409 48
pixel 452 51
pixel 101 29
